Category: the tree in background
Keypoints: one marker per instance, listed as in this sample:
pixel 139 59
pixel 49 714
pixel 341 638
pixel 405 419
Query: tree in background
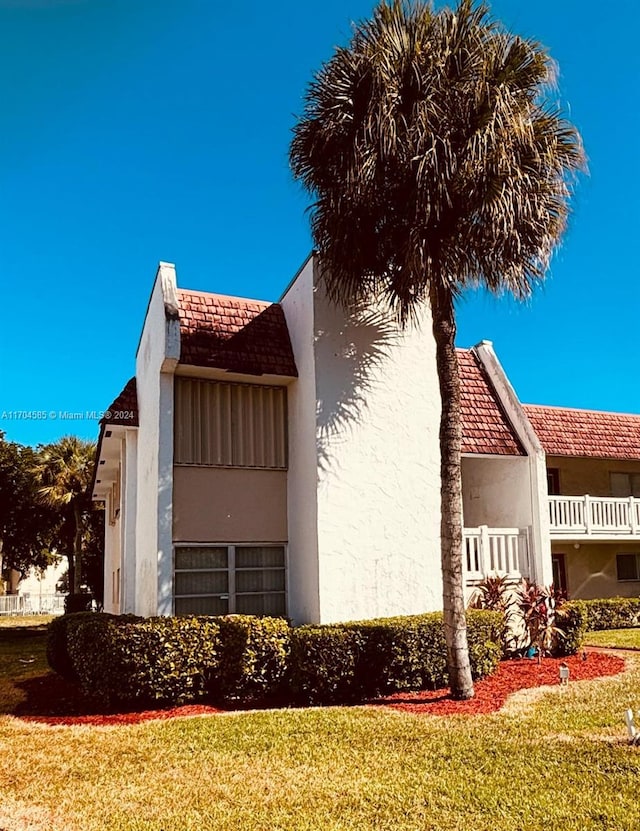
pixel 63 472
pixel 27 528
pixel 437 162
pixel 93 552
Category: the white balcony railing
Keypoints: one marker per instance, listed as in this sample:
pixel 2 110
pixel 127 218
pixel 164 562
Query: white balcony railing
pixel 490 550
pixel 598 516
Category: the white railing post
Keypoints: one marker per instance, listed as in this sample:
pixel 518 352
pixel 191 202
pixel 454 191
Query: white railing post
pixel 485 551
pixel 632 515
pixel 587 514
pixel 525 564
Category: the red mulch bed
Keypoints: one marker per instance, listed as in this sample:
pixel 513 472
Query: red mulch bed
pixel 51 701
pixel 112 719
pixel 511 676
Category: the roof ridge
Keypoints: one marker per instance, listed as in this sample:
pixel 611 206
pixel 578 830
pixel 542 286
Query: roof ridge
pixel 228 296
pixel 581 410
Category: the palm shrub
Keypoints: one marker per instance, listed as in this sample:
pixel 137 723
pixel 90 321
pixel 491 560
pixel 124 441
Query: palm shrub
pixel 63 472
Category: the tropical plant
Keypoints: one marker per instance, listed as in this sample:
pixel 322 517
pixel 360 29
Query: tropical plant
pixel 436 162
pixel 541 610
pixel 27 528
pixel 498 593
pixel 63 472
pixel 493 592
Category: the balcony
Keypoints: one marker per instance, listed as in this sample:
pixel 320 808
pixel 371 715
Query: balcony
pixel 594 517
pixel 490 550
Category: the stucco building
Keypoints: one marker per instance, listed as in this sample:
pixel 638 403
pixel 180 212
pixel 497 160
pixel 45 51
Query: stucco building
pixel 283 458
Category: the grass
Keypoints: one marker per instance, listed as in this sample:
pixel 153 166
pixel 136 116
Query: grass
pixel 621 638
pixel 553 759
pixel 20 621
pixel 22 657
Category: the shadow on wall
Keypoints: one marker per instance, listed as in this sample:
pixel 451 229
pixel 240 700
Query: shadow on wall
pixel 350 347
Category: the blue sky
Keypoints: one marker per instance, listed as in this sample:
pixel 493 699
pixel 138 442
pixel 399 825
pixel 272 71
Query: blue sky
pixel 135 131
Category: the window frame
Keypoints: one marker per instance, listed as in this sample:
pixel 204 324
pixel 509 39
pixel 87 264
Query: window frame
pixel 631 476
pixel 231 595
pixel 635 579
pixel 553 481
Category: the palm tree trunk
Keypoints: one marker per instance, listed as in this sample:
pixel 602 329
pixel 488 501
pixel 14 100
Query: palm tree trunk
pixel 455 625
pixel 77 544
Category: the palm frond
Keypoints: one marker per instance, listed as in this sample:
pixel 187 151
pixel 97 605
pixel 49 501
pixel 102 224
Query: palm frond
pixel 435 156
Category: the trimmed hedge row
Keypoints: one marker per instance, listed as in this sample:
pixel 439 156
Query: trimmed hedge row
pixel 612 613
pixel 124 660
pixel 253 658
pixel 361 660
pixel 577 617
pixel 167 660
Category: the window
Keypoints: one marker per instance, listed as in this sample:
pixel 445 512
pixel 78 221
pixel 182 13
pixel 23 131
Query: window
pixel 229 579
pixel 553 481
pixel 230 425
pixel 627 566
pixel 625 484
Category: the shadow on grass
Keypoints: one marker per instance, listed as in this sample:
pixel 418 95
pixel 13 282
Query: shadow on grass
pixel 51 695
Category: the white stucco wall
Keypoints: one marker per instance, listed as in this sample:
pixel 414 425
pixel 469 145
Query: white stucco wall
pixel 156 358
pixel 302 572
pixel 43 582
pixel 496 492
pixel 541 568
pixel 373 459
pixel 379 466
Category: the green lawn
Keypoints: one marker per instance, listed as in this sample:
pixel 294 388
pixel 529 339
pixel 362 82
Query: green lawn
pixel 621 638
pixel 550 760
pixel 20 621
pixel 22 656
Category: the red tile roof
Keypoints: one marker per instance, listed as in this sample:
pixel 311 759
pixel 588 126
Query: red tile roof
pixel 485 427
pixel 124 410
pixel 587 433
pixel 245 336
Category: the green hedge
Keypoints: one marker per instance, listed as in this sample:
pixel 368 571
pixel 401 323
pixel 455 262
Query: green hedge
pixel 612 613
pixel 254 654
pixel 127 660
pixel 572 621
pixel 356 661
pixel 57 650
pixel 58 641
pixel 165 660
pixel 324 664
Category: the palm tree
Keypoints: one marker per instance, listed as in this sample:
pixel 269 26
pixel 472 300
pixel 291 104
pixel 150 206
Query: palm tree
pixel 436 162
pixel 63 472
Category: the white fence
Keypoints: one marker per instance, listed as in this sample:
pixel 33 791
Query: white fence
pixel 31 604
pixel 489 550
pixel 594 515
